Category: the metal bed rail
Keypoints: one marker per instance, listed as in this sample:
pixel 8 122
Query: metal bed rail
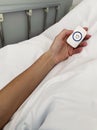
pixel 18 21
pixel 29 14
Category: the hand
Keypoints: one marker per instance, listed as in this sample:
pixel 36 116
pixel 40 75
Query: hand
pixel 61 50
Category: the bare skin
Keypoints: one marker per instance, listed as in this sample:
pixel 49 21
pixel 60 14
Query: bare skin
pixel 16 92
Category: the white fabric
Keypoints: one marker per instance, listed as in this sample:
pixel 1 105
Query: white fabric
pixel 67 97
pixel 14 59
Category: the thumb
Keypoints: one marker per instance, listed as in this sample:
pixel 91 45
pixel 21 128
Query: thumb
pixel 77 50
pixel 69 32
pixel 65 33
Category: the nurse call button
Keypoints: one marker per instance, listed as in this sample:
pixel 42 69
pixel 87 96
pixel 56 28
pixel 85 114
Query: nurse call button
pixel 77 36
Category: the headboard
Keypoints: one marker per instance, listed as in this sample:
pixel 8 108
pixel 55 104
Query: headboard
pixel 23 19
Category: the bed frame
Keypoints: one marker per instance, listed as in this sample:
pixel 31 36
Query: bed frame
pixel 23 19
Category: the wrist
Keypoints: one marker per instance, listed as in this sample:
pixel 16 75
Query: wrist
pixel 51 58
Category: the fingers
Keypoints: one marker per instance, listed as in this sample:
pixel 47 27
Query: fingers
pixel 86 28
pixel 87 37
pixel 83 44
pixel 66 33
pixel 77 50
pixel 80 48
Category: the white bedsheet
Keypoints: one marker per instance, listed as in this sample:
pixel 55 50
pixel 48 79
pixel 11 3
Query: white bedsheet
pixel 67 97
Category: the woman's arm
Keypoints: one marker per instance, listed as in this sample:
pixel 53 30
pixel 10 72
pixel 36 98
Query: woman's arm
pixel 17 91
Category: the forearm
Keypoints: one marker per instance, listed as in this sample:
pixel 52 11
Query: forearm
pixel 15 93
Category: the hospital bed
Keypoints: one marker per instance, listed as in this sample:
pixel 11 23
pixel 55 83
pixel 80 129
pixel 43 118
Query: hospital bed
pixel 23 19
pixel 67 98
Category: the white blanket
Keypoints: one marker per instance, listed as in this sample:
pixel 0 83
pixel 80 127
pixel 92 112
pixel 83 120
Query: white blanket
pixel 67 97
